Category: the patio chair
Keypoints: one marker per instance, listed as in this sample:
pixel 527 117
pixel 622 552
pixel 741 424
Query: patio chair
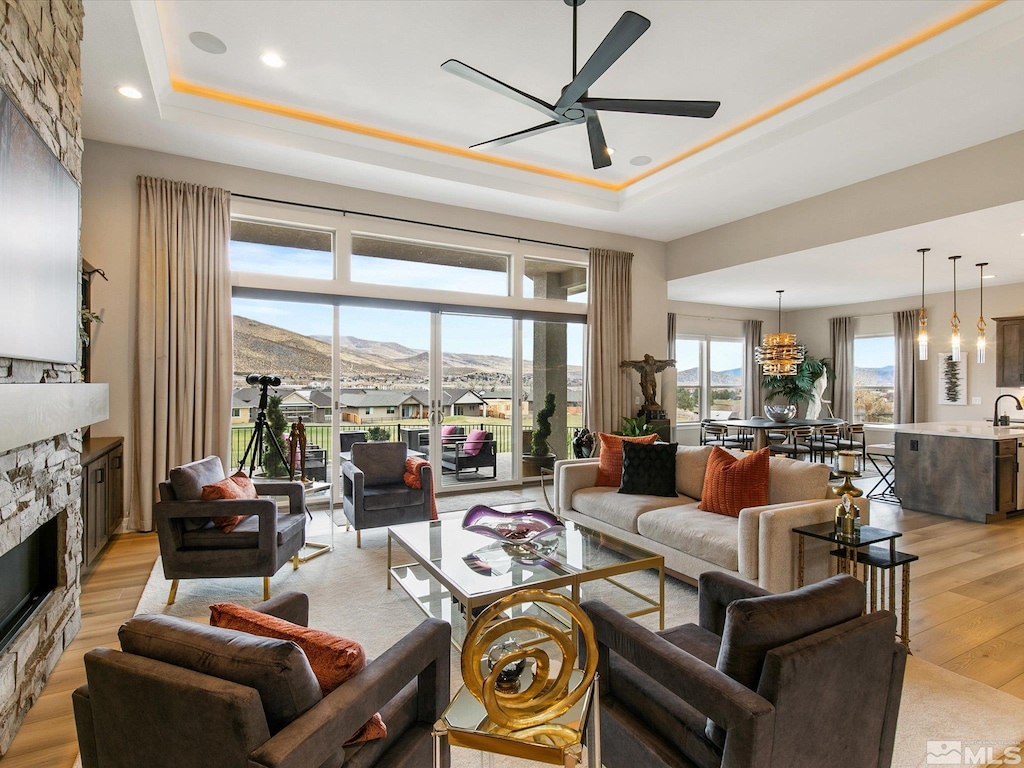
pixel 476 451
pixel 348 439
pixel 374 493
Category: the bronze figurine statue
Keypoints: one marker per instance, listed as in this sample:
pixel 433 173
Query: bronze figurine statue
pixel 647 368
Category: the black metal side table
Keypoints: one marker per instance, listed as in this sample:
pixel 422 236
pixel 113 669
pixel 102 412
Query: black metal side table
pixel 866 557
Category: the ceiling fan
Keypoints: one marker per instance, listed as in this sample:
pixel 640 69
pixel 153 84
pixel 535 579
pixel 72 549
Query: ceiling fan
pixel 575 106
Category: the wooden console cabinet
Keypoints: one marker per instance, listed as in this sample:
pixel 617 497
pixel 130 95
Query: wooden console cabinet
pixel 1009 351
pixel 102 493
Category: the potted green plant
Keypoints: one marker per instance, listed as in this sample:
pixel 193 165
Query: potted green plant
pixel 540 455
pixel 378 435
pixel 636 427
pixel 277 425
pixel 799 388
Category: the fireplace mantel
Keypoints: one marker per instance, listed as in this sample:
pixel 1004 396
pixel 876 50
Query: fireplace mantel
pixel 31 412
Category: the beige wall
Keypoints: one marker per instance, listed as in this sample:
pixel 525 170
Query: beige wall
pixel 970 180
pixel 812 329
pixel 109 232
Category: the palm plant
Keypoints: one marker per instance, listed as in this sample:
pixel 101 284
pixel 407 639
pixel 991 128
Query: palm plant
pixel 798 388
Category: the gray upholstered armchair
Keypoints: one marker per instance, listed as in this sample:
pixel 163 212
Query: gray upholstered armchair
pixel 792 680
pixel 188 694
pixel 191 547
pixel 375 494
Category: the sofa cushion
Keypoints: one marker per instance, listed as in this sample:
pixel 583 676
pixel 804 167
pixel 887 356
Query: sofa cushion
pixel 188 481
pixel 609 471
pixel 696 641
pixel 649 469
pixel 706 535
pixel 691 463
pixel 790 480
pixel 277 669
pixel 732 484
pixel 611 507
pixel 334 659
pixel 475 442
pixel 245 535
pixel 391 496
pixel 756 625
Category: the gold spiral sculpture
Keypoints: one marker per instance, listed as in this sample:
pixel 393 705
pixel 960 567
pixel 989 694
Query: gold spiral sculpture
pixel 546 698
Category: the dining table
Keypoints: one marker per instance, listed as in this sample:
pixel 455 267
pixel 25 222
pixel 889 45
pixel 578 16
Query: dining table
pixel 761 426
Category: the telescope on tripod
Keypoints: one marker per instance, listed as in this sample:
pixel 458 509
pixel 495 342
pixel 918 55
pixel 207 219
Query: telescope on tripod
pixel 255 450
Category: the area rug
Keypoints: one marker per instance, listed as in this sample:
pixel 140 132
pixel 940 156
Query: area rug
pixel 460 502
pixel 348 596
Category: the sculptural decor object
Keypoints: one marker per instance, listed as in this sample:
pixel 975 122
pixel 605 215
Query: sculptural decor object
pixel 648 368
pixel 780 413
pixel 517 527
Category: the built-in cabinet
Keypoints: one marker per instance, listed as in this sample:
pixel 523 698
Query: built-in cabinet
pixel 1009 351
pixel 102 493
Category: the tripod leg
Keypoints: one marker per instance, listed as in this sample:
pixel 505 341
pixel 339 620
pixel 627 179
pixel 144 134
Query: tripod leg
pixel 280 452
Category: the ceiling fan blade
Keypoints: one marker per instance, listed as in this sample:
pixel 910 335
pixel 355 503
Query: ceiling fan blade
pixel 467 72
pixel 598 146
pixel 654 106
pixel 627 30
pixel 535 131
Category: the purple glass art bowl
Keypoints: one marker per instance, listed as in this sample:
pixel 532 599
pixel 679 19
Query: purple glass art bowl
pixel 514 527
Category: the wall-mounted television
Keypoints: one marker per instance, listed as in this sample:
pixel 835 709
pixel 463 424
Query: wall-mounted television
pixel 39 223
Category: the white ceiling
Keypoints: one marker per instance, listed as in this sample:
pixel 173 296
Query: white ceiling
pixel 882 266
pixel 377 63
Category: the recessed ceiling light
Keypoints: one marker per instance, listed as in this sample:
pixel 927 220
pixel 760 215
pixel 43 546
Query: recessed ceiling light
pixel 271 59
pixel 987 277
pixel 640 160
pixel 204 41
pixel 129 92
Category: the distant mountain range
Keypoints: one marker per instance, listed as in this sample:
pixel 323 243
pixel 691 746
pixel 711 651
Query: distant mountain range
pixel 731 378
pixel 266 348
pixel 873 377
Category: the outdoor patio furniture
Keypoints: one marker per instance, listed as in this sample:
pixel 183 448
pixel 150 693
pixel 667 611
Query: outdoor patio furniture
pixel 464 453
pixel 348 439
pixel 374 491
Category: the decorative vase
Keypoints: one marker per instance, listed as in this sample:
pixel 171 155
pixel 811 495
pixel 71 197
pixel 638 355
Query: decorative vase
pixel 780 413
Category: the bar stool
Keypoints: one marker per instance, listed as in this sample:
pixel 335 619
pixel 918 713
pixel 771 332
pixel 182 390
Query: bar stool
pixel 885 488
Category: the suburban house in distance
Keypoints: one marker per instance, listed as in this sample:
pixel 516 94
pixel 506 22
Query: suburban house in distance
pixel 387 382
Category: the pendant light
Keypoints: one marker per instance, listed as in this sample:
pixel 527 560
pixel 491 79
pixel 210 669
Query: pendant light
pixel 780 355
pixel 954 321
pixel 922 316
pixel 981 311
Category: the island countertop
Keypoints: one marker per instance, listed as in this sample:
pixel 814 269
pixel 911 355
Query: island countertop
pixel 974 429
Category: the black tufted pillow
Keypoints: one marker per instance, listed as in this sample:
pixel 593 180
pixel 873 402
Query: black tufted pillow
pixel 649 469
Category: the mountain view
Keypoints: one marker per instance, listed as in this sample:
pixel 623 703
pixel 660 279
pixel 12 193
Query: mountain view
pixel 730 378
pixel 264 348
pixel 873 377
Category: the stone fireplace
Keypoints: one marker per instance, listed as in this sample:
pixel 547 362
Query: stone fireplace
pixel 40 475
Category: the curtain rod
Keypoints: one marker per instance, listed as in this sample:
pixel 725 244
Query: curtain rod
pixel 346 212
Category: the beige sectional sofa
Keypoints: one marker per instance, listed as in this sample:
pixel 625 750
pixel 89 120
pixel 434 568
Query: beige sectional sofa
pixel 759 546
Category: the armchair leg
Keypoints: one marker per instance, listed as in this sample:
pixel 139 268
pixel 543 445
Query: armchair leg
pixel 295 561
pixel 266 587
pixel 173 593
pixel 359 539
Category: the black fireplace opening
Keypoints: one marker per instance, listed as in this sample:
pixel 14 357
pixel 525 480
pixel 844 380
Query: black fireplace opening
pixel 28 573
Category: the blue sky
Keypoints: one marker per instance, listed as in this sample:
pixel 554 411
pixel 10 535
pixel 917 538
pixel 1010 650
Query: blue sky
pixel 461 334
pixel 874 352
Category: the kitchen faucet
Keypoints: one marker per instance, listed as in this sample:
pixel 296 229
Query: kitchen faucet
pixel 1004 421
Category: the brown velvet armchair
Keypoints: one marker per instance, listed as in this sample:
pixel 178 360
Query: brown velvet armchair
pixel 798 680
pixel 187 694
pixel 191 547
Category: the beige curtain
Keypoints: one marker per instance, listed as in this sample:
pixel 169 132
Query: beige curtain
pixel 183 360
pixel 905 372
pixel 609 313
pixel 753 393
pixel 841 329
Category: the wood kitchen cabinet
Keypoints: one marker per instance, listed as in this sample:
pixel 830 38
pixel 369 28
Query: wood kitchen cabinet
pixel 102 493
pixel 1009 351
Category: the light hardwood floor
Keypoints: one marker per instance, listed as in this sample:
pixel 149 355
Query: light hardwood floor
pixel 967 614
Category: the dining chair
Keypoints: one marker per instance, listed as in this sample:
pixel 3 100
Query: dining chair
pixel 717 434
pixel 825 441
pixel 852 438
pixel 797 445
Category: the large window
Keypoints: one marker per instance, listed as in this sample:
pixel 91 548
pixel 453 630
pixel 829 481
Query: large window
pixel 874 358
pixel 549 279
pixel 709 378
pixel 411 264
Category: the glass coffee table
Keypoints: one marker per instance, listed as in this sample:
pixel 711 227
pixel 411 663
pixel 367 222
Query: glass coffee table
pixel 455 573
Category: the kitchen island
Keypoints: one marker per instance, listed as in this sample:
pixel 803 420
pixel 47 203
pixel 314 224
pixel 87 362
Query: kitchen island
pixel 963 469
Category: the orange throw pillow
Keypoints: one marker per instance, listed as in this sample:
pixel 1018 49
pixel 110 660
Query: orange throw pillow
pixel 609 470
pixel 333 659
pixel 238 486
pixel 732 484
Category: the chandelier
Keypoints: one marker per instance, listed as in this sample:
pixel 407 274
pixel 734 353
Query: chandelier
pixel 779 354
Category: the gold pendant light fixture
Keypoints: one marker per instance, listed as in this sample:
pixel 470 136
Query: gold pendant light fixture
pixel 955 319
pixel 981 311
pixel 779 354
pixel 922 316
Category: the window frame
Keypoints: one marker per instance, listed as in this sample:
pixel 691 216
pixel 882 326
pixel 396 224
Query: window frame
pixel 705 341
pixel 853 381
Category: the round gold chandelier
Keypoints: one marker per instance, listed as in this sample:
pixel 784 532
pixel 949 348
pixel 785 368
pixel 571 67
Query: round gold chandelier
pixel 779 354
